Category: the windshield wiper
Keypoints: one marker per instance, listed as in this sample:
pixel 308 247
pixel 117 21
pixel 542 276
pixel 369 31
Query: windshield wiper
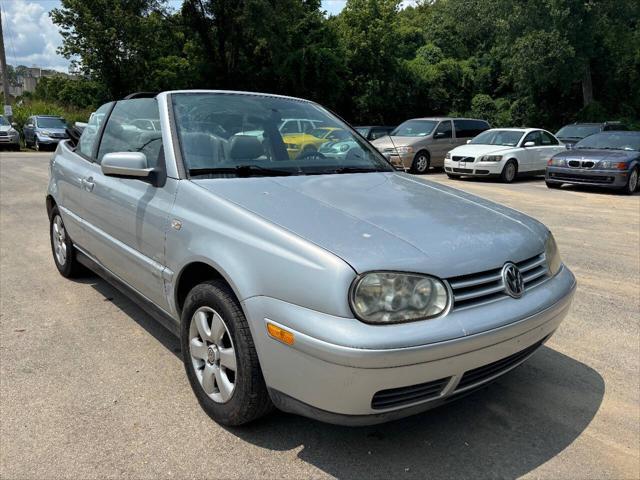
pixel 241 171
pixel 340 170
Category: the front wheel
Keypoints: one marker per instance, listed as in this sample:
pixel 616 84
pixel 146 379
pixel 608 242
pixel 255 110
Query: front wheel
pixel 632 182
pixel 421 163
pixel 37 146
pixel 509 172
pixel 220 358
pixel 64 254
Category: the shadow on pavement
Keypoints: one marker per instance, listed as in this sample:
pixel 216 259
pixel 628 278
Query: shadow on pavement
pixel 505 430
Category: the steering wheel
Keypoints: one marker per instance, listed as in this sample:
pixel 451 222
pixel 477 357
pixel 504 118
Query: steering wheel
pixel 310 153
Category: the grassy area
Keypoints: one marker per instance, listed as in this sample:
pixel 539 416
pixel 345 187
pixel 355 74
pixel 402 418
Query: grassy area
pixel 27 108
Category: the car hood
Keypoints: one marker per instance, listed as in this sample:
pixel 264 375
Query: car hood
pixel 390 221
pixel 5 128
pixel 587 154
pixel 391 142
pixel 470 150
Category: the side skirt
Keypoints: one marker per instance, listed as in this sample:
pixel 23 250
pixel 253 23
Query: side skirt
pixel 157 313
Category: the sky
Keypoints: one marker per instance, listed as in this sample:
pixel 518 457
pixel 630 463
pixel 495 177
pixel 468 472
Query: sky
pixel 32 39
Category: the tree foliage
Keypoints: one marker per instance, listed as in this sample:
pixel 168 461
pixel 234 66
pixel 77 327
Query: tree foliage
pixel 533 62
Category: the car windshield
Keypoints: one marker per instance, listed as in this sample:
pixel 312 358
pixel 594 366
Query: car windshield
pixel 577 131
pixel 611 141
pixel 507 138
pixel 237 135
pixel 3 122
pixel 51 122
pixel 414 128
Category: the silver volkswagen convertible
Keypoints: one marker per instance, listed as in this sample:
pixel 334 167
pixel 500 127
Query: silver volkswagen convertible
pixel 330 286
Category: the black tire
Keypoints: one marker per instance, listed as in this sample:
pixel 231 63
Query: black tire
pixel 421 162
pixel 509 171
pixel 452 176
pixel 250 399
pixel 632 182
pixel 553 186
pixel 70 267
pixel 36 145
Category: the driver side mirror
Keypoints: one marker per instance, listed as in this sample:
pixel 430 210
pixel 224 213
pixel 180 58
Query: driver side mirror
pixel 14 124
pixel 529 144
pixel 126 164
pixel 469 141
pixel 439 135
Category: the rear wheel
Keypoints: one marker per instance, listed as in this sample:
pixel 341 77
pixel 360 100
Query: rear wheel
pixel 421 163
pixel 509 172
pixel 632 182
pixel 220 358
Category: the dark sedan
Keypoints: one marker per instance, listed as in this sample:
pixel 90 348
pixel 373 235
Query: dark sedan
pixel 607 159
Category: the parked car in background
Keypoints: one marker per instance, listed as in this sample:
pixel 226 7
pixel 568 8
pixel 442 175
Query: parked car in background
pixel 374 132
pixel 607 159
pixel 9 136
pixel 504 153
pixel 44 131
pixel 307 143
pixel 335 288
pixel 421 143
pixel 573 133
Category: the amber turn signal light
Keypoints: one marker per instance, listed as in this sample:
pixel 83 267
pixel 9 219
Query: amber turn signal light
pixel 280 334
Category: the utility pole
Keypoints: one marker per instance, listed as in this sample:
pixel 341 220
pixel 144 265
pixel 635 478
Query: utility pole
pixel 5 72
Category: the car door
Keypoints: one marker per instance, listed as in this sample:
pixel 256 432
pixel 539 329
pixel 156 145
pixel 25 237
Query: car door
pixel 128 217
pixel 550 145
pixel 442 143
pixel 531 156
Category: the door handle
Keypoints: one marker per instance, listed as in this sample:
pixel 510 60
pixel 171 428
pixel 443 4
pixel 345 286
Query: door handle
pixel 89 184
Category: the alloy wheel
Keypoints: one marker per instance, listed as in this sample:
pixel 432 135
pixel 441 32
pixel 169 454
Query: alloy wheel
pixel 510 173
pixel 212 354
pixel 422 163
pixel 633 180
pixel 59 235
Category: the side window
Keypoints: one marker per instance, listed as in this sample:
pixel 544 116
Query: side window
pixel 547 139
pixel 462 129
pixel 289 126
pixel 479 126
pixel 534 137
pixel 90 132
pixel 306 126
pixel 376 133
pixel 443 130
pixel 121 134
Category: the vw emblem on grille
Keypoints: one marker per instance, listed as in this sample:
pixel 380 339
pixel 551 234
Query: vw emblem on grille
pixel 513 281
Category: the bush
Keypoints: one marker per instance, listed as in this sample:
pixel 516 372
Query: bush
pixel 26 108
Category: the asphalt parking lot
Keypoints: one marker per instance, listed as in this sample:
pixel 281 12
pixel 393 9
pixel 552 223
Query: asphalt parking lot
pixel 91 387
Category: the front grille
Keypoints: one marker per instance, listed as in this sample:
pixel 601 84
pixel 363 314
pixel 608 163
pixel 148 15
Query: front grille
pixel 474 289
pixel 463 170
pixel 395 397
pixel 576 177
pixel 463 159
pixel 497 368
pixel 581 163
pixel 58 135
pixel 4 134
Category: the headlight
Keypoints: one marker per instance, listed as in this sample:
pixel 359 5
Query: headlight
pixel 405 149
pixel 612 165
pixel 557 162
pixel 552 255
pixel 44 133
pixel 391 297
pixel 448 156
pixel 491 158
pixel 344 148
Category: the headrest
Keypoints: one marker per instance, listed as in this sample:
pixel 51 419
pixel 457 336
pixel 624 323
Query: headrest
pixel 245 147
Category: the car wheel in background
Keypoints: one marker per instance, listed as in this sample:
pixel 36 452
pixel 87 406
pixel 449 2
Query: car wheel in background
pixel 64 254
pixel 421 163
pixel 36 145
pixel 632 182
pixel 220 358
pixel 452 176
pixel 509 171
pixel 553 185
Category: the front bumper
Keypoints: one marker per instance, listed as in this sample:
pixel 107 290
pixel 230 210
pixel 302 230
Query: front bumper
pixel 342 381
pixel 583 176
pixel 9 140
pixel 480 169
pixel 404 160
pixel 48 140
